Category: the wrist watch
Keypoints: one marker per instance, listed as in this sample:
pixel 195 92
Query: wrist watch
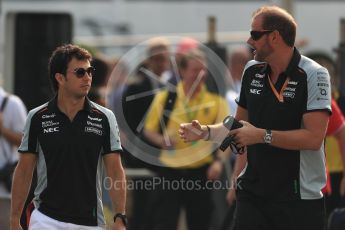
pixel 123 217
pixel 268 137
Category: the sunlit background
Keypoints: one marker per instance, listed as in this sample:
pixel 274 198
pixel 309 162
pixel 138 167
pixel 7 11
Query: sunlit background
pixel 31 29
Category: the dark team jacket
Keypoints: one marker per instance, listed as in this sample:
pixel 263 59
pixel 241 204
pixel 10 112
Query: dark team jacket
pixel 276 173
pixel 70 164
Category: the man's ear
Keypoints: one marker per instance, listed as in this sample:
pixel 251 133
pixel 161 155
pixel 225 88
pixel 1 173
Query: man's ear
pixel 276 37
pixel 60 78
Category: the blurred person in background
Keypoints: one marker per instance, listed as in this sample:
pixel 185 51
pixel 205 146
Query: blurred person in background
pixel 335 158
pixel 237 61
pixel 116 87
pixel 12 120
pixel 183 46
pixel 102 70
pixel 100 79
pixel 141 87
pixel 192 162
pixel 238 58
pixel 69 139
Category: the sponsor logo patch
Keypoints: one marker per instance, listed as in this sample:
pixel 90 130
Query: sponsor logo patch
pixel 322 79
pixel 94 118
pixel 289 94
pixel 319 73
pixel 51 130
pixel 93 130
pixel 323 84
pixel 49 123
pixel 255 91
pixel 323 92
pixel 94 124
pixel 322 99
pixel 47 116
pixel 259 75
pixel 293 83
pixel 290 89
pixel 256 83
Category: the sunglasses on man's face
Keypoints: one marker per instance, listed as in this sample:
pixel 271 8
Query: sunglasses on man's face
pixel 256 35
pixel 80 72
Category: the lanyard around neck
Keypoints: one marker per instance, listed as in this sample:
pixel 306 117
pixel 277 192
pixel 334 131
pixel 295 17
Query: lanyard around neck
pixel 279 95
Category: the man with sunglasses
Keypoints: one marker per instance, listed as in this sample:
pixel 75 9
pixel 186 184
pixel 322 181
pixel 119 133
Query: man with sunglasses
pixel 284 106
pixel 69 139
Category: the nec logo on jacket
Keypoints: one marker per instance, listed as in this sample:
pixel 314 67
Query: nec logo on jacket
pixel 255 91
pixel 51 130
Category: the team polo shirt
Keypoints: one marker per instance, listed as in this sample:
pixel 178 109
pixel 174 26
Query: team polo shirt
pixel 276 173
pixel 206 107
pixel 70 164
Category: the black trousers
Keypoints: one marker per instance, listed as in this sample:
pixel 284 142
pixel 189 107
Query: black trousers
pixel 182 188
pixel 253 213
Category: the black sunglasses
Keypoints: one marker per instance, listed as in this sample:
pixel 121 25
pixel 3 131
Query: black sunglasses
pixel 256 35
pixel 80 72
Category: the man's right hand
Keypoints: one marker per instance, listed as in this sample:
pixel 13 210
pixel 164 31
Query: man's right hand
pixel 192 131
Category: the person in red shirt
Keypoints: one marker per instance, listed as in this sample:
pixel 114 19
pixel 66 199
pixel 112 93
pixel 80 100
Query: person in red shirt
pixel 333 190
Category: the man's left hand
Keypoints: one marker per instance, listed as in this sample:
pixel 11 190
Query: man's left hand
pixel 247 135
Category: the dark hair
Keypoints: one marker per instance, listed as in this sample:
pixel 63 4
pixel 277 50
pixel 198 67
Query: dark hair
pixel 276 18
pixel 60 58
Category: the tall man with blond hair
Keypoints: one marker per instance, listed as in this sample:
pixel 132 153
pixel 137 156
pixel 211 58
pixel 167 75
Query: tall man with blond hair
pixel 284 106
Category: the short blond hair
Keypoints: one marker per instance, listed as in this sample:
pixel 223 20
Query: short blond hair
pixel 276 18
pixel 157 45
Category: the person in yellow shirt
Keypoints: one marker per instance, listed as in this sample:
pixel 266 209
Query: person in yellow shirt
pixel 335 158
pixel 187 167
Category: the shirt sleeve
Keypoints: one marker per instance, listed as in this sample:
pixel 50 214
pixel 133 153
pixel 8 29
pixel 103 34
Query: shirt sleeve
pixel 319 91
pixel 29 142
pixel 112 140
pixel 241 99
